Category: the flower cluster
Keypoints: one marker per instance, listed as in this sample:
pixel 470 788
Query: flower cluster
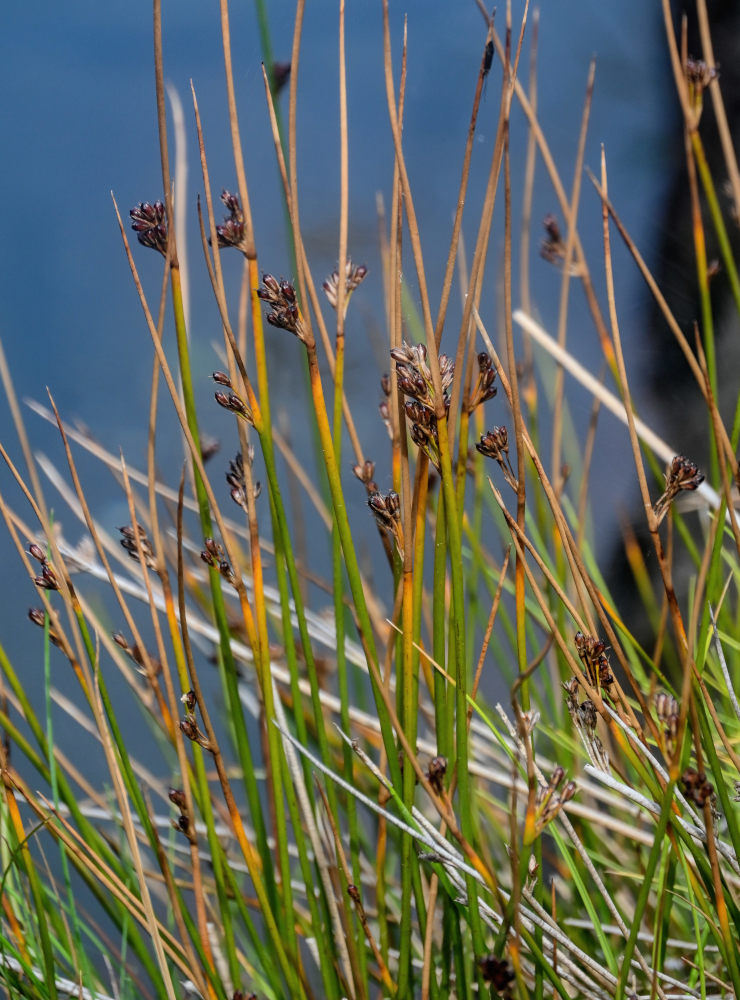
pixel 552 248
pixel 38 617
pixel 386 508
pixel 182 823
pixel 284 312
pixel 47 579
pixel 680 474
pixel 585 717
pixel 495 444
pixel 699 75
pixel 696 788
pixel 148 665
pixel 236 479
pixel 214 555
pixel 484 387
pixel 189 725
pixel 230 400
pixel 231 231
pixel 149 222
pixel 499 973
pixel 415 382
pixel 592 653
pixel 667 712
pixel 129 542
pixel 551 798
pixel 354 275
pixel 436 773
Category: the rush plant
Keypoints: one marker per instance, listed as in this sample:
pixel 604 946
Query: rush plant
pixel 336 810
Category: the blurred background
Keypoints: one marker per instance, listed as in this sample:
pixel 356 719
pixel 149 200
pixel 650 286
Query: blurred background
pixel 79 122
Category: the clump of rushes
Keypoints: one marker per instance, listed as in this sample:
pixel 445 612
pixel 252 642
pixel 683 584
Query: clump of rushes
pixel 284 312
pixel 231 231
pixel 680 474
pixel 415 382
pixel 495 444
pixel 321 849
pixel 149 222
pixel 354 275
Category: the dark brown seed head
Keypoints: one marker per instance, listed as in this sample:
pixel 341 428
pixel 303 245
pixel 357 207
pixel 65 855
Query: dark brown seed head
pixel 177 798
pixel 149 222
pixel 436 773
pixel 498 972
pixel 212 554
pixel 552 247
pixel 365 471
pixel 189 729
pixel 354 893
pixel 280 76
pixel 587 714
pixel 700 74
pixel 354 275
pixel 135 540
pixel 682 474
pixel 417 413
pixel 494 444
